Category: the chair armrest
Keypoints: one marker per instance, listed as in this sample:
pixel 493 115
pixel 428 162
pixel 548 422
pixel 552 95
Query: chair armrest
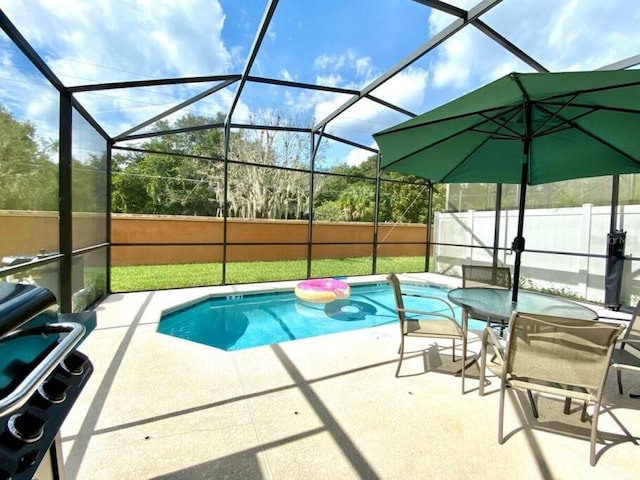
pixel 621 342
pixel 426 313
pixel 429 297
pixel 617 319
pixel 627 359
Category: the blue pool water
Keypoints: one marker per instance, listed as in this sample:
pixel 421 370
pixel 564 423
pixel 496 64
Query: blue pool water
pixel 244 321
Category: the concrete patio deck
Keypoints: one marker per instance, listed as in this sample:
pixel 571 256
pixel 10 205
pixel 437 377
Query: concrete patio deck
pixel 327 407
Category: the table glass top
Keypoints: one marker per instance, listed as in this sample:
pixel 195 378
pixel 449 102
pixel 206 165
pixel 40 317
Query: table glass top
pixel 496 302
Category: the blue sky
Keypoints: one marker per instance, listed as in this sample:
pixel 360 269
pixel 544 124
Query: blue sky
pixel 339 43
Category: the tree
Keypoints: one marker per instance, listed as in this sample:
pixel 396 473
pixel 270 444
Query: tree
pixel 89 188
pixel 267 176
pixel 404 202
pixel 358 202
pixel 348 194
pixel 351 196
pixel 261 176
pixel 258 191
pixel 186 180
pixel 28 179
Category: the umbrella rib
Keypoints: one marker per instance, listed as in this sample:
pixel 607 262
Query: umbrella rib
pixel 566 103
pixel 571 102
pixel 504 125
pixel 473 127
pixel 394 130
pixel 595 89
pixel 571 123
pixel 566 124
pixel 574 125
pixel 551 115
pixel 548 100
pixel 501 122
pixel 457 165
pixel 593 107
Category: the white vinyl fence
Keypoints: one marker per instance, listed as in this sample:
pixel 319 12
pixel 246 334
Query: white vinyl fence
pixel 579 230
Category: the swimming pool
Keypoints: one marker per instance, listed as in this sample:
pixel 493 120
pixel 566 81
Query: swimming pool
pixel 236 322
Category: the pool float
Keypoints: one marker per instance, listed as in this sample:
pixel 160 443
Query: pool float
pixel 349 310
pixel 322 290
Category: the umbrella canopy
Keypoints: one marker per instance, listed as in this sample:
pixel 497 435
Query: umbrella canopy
pixel 524 128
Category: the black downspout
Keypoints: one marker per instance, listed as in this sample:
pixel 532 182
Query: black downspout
pixel 615 189
pixel 496 233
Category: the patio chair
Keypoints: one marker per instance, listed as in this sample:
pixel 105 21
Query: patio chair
pixel 487 276
pixel 498 344
pixel 626 356
pixel 566 357
pixel 438 322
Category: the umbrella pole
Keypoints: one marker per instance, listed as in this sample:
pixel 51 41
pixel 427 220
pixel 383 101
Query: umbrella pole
pixel 518 242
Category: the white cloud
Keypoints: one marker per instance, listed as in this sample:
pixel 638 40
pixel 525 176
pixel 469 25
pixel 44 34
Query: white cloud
pixel 364 68
pixel 406 89
pixel 570 35
pixel 453 68
pixel 106 40
pixel 365 117
pixel 467 59
pixel 286 75
pixel 323 61
pixel 347 64
pixel 584 35
pixel 332 80
pixel 347 70
pixel 357 155
pixel 115 40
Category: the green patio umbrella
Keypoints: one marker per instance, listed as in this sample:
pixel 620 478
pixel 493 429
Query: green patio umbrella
pixel 527 129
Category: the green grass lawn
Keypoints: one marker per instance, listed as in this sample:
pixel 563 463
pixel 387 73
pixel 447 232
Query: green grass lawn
pixel 156 277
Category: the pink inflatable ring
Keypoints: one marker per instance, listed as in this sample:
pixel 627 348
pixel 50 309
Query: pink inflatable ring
pixel 322 290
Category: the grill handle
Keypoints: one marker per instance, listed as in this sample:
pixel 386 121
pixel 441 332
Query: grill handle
pixel 21 394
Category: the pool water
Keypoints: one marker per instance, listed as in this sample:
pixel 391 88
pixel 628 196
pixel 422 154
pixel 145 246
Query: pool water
pixel 244 321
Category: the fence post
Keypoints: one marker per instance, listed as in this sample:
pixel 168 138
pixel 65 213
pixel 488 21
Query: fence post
pixel 586 220
pixel 435 239
pixel 470 242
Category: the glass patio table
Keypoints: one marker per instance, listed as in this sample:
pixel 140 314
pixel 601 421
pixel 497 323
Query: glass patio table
pixel 495 304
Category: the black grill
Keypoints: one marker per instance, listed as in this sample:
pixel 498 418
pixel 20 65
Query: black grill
pixel 41 374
